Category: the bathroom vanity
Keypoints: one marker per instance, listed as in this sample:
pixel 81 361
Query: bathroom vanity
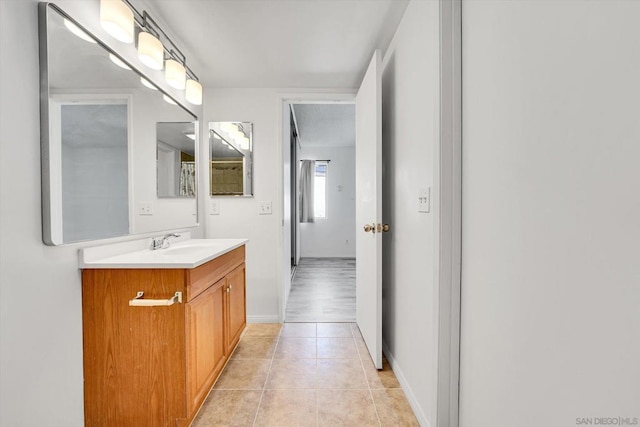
pixel 158 328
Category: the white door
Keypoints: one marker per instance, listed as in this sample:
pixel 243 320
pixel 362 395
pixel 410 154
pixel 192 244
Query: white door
pixel 369 209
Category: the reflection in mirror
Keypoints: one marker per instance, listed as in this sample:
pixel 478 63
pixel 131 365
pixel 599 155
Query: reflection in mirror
pixel 176 159
pixel 231 147
pixel 94 168
pixel 100 126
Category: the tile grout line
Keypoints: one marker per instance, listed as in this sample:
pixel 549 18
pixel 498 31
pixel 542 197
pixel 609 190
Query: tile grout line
pixel 264 386
pixel 375 407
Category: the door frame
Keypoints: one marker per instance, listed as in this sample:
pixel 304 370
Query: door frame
pixel 283 106
pixel 450 216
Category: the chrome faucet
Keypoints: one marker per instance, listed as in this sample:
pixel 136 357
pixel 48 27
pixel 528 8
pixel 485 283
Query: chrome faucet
pixel 162 242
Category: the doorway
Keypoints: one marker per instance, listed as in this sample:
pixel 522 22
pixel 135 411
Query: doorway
pixel 320 188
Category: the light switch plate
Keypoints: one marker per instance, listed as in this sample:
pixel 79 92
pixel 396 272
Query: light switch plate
pixel 145 208
pixel 214 207
pixel 424 200
pixel 264 208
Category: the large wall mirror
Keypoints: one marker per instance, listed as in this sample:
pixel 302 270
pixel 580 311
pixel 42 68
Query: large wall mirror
pixel 104 127
pixel 231 158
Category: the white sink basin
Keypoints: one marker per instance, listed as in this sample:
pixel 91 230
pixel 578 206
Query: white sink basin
pixel 191 247
pixel 183 254
pixel 183 250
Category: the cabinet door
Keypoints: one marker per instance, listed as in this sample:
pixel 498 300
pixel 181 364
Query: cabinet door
pixel 205 342
pixel 236 318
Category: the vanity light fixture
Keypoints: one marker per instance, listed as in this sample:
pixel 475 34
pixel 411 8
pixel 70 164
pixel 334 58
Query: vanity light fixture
pixel 117 19
pixel 155 49
pixel 150 50
pixel 119 62
pixel 147 83
pixel 193 92
pixel 227 127
pixel 175 74
pixel 78 32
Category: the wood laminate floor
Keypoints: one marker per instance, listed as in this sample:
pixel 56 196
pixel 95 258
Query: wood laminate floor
pixel 323 290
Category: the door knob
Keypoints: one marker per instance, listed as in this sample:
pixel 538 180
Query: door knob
pixel 382 227
pixel 368 228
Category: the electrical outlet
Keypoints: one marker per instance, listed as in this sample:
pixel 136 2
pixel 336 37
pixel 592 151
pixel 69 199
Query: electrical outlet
pixel 214 207
pixel 424 200
pixel 264 208
pixel 145 208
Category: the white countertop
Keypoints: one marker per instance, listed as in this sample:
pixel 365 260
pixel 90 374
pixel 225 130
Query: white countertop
pixel 181 254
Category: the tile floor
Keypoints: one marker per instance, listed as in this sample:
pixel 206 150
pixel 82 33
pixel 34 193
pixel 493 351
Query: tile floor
pixel 304 374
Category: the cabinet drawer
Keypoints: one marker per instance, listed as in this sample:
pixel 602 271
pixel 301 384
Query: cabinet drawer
pixel 200 278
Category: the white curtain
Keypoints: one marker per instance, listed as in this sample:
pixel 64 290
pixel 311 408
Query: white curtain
pixel 188 179
pixel 307 175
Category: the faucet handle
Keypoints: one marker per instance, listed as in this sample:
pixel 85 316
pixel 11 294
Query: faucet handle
pixel 165 240
pixel 158 242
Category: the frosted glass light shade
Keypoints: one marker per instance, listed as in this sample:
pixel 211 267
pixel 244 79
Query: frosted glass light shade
pixel 117 19
pixel 119 62
pixel 227 127
pixel 174 74
pixel 193 92
pixel 150 50
pixel 147 83
pixel 77 31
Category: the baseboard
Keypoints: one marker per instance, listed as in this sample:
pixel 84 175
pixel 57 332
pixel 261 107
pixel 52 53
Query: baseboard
pixel 417 410
pixel 272 318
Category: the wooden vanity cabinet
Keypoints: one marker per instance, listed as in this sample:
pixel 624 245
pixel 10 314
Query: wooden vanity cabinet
pixel 236 306
pixel 206 345
pixel 154 366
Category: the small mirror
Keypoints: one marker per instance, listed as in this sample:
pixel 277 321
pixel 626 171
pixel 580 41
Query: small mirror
pixel 176 159
pixel 230 169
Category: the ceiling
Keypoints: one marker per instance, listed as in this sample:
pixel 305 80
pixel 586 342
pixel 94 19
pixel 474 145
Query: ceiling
pixel 280 43
pixel 175 135
pixel 327 125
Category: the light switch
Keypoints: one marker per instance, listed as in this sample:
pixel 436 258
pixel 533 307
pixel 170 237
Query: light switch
pixel 264 208
pixel 145 208
pixel 424 200
pixel 214 207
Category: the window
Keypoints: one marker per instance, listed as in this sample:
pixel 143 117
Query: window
pixel 320 190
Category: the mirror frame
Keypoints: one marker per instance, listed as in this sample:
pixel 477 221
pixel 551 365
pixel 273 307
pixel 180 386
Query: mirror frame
pixel 46 160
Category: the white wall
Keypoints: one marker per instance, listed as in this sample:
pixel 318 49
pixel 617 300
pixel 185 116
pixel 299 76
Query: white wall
pixel 335 235
pixel 239 216
pixel 40 298
pixel 410 127
pixel 551 259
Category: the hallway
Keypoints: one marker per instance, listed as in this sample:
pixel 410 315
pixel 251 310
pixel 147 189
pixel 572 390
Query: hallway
pixel 304 374
pixel 323 290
